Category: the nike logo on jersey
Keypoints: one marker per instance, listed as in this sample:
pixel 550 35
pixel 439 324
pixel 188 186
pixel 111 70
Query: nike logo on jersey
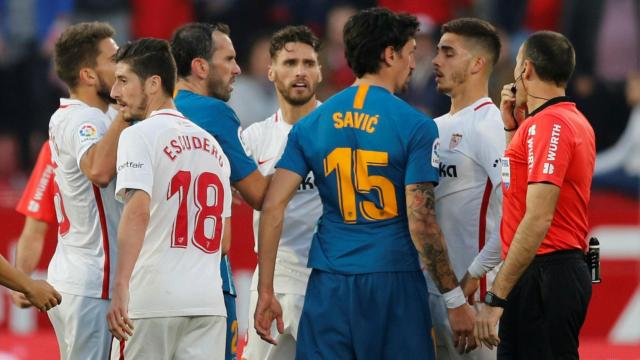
pixel 260 162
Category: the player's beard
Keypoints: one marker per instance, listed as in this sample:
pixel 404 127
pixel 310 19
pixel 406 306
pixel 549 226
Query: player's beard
pixel 405 86
pixel 456 79
pixel 104 91
pixel 138 113
pixel 217 88
pixel 293 100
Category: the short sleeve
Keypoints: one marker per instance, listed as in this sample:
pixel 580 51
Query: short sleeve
pixel 37 199
pixel 229 134
pixel 87 128
pixel 423 161
pixel 293 157
pixel 134 164
pixel 551 142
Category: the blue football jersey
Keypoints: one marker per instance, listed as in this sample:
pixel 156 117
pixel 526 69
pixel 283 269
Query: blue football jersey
pixel 363 145
pixel 217 118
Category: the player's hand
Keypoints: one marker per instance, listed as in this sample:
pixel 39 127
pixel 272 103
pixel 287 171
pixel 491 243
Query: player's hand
pixel 42 295
pixel 508 108
pixel 486 330
pixel 20 300
pixel 267 309
pixel 469 287
pixel 462 320
pixel 118 318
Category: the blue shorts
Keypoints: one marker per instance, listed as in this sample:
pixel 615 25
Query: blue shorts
pixel 231 348
pixel 365 316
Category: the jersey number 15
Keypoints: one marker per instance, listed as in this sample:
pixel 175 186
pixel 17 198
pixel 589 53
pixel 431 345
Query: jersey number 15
pixel 352 174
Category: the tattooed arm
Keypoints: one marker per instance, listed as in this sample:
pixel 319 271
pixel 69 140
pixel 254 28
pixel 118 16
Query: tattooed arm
pixel 427 236
pixel 429 241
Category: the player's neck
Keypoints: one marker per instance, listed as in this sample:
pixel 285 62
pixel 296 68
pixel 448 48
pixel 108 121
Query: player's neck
pixel 199 88
pixel 466 94
pixel 89 96
pixel 376 80
pixel 159 103
pixel 292 113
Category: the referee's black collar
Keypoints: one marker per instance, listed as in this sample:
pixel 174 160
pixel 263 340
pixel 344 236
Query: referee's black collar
pixel 550 102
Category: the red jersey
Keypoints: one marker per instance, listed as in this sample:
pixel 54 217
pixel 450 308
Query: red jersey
pixel 37 198
pixel 555 145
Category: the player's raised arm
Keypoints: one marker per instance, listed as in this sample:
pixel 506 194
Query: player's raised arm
pixel 279 193
pixel 429 241
pixel 99 162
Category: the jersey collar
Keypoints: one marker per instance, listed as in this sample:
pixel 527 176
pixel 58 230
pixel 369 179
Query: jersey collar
pixel 550 102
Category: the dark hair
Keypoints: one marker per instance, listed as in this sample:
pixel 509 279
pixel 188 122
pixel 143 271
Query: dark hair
pixel 148 57
pixel 367 33
pixel 480 31
pixel 552 56
pixel 192 41
pixel 78 46
pixel 301 34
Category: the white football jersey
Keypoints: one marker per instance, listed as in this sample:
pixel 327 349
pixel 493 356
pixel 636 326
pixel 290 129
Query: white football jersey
pixel 186 174
pixel 468 196
pixel 266 141
pixel 84 261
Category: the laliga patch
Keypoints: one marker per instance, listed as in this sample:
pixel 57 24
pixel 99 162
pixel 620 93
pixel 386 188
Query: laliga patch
pixel 435 155
pixel 455 141
pixel 87 132
pixel 505 171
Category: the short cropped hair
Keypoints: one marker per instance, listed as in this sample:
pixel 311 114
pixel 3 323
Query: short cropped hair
pixel 192 41
pixel 367 33
pixel 479 31
pixel 148 57
pixel 552 56
pixel 79 46
pixel 293 34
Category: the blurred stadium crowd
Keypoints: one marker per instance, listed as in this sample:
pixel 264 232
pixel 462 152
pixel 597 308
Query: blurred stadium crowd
pixel 605 86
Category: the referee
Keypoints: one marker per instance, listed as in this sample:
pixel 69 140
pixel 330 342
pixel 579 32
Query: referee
pixel 543 289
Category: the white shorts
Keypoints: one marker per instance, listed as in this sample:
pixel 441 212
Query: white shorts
pixel 258 349
pixel 183 337
pixel 445 350
pixel 80 324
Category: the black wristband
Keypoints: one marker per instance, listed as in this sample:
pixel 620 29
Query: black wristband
pixel 510 130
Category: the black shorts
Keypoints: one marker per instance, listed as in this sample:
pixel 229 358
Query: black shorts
pixel 546 309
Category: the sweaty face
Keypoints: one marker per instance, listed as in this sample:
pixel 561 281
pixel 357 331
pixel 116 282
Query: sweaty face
pixel 223 67
pixel 451 64
pixel 296 73
pixel 406 64
pixel 105 68
pixel 128 90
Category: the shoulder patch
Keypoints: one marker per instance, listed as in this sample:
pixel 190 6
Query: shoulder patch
pixel 435 156
pixel 87 132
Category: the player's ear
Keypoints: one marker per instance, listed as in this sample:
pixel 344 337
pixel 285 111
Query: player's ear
pixel 87 75
pixel 319 73
pixel 477 64
pixel 153 84
pixel 270 74
pixel 389 55
pixel 199 68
